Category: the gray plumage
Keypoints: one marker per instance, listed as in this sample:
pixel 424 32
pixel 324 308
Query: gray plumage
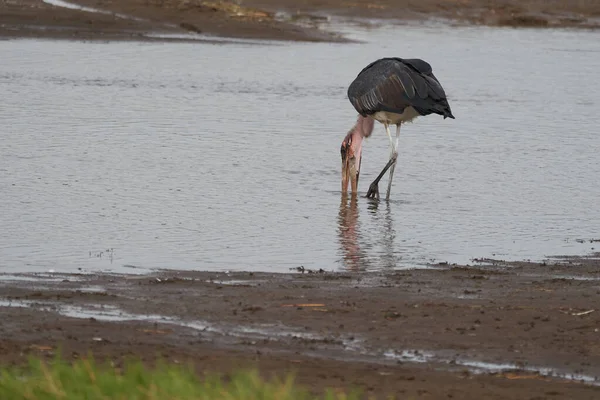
pixel 393 84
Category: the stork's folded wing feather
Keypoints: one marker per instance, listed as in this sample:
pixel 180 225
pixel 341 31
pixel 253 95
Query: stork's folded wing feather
pixel 393 84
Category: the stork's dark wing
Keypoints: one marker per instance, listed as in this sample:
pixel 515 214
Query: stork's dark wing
pixel 392 84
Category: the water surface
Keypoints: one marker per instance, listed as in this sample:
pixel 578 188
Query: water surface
pixel 222 157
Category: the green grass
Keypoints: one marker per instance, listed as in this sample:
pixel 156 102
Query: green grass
pixel 87 380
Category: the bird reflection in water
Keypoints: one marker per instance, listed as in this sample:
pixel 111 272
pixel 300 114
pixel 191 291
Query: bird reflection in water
pixel 386 235
pixel 348 230
pixel 353 243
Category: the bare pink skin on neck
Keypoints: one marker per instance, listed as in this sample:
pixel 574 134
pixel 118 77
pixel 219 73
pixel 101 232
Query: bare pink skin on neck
pixel 362 129
pixel 365 124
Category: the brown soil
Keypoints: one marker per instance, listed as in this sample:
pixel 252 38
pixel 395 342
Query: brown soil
pixel 262 19
pixel 333 329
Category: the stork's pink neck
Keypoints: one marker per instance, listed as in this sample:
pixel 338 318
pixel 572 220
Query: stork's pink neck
pixel 364 125
pixel 362 129
pixel 356 143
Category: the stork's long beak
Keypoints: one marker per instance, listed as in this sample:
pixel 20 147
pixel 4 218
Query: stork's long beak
pixel 350 165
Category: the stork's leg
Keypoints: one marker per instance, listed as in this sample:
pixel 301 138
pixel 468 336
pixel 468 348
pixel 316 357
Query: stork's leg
pixel 387 130
pixel 395 152
pixel 374 187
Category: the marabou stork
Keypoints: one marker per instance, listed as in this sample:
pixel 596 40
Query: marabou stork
pixel 392 91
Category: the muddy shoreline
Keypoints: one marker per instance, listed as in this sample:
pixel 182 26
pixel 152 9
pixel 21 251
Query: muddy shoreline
pixel 308 20
pixel 488 330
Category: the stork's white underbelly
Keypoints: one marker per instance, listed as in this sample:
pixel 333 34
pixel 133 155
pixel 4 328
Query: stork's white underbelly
pixel 394 118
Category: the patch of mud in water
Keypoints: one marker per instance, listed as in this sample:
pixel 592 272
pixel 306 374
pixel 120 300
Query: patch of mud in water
pixel 481 367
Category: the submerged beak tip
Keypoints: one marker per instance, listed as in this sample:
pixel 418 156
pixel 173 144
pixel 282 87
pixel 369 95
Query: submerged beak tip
pixel 350 153
pixel 349 173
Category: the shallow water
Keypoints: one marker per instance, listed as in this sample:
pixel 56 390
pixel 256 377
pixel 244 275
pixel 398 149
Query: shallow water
pixel 222 157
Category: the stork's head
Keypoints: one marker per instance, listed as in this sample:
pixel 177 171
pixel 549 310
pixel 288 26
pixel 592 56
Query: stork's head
pixel 351 152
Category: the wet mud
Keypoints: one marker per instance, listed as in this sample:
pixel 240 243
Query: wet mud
pixel 308 20
pixel 491 329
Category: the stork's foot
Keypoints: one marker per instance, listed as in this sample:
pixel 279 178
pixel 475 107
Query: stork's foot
pixel 373 192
